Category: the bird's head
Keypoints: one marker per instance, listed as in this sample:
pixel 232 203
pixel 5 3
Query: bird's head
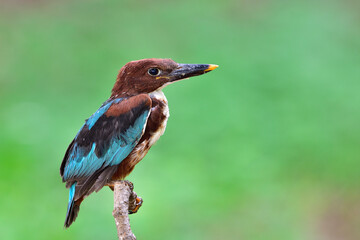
pixel 148 75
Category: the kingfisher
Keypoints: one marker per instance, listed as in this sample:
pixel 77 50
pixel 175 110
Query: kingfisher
pixel 121 132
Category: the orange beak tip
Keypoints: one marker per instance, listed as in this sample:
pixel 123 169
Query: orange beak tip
pixel 211 67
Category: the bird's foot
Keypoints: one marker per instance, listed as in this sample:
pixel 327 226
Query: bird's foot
pixel 130 184
pixel 111 184
pixel 135 202
pixel 133 208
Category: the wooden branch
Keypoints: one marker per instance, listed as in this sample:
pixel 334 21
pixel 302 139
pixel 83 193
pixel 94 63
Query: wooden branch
pixel 125 201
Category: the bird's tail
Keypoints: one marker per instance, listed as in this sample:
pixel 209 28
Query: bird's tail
pixel 73 208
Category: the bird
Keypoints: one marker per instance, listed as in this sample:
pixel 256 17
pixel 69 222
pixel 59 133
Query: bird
pixel 120 133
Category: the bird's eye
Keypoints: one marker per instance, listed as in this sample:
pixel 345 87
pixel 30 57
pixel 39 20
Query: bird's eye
pixel 154 71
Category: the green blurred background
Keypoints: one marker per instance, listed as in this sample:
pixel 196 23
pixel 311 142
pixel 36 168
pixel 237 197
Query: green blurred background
pixel 264 147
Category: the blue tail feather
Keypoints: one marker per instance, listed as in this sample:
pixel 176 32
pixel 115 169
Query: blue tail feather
pixel 73 208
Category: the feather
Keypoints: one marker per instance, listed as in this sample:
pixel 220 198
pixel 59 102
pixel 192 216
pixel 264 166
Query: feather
pixel 103 142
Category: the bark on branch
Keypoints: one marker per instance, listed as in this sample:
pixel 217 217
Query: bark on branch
pixel 125 201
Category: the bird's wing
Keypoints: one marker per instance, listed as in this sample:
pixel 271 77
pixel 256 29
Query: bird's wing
pixel 106 138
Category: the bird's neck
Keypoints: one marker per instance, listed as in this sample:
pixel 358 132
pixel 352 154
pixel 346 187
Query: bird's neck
pixel 158 94
pixel 120 92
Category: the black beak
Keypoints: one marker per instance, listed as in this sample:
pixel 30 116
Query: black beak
pixel 190 70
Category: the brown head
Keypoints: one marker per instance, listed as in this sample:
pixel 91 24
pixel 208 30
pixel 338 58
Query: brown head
pixel 148 75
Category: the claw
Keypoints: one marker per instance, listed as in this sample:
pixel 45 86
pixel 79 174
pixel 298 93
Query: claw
pixel 111 184
pixel 138 204
pixel 130 184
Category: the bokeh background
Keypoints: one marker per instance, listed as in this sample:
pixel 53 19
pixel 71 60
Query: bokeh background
pixel 264 147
